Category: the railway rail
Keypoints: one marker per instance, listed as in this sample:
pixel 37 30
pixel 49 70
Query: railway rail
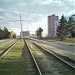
pixel 64 50
pixel 3 52
pixel 35 60
pixel 64 59
pixel 26 61
pixel 49 63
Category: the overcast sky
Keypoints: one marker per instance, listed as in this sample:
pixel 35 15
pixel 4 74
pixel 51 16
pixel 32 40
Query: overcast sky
pixel 34 13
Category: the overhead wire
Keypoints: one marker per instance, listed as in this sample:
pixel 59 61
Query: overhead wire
pixel 35 9
pixel 28 21
pixel 5 7
pixel 6 11
pixel 18 10
pixel 13 21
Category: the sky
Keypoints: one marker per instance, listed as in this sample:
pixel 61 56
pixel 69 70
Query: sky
pixel 34 13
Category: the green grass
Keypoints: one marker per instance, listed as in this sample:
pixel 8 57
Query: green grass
pixel 15 62
pixel 7 45
pixel 67 40
pixel 47 63
pixel 9 64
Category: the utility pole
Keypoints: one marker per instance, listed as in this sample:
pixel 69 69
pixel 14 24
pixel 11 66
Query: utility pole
pixel 21 27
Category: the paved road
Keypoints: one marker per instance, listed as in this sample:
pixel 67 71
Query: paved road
pixel 58 45
pixel 65 49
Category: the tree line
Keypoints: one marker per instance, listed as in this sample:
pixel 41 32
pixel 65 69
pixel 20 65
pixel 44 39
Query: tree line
pixel 4 33
pixel 66 28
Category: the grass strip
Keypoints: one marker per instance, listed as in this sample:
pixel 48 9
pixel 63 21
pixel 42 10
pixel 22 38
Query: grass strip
pixel 17 61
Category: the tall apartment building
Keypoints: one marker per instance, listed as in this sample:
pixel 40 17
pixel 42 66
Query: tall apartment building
pixel 52 25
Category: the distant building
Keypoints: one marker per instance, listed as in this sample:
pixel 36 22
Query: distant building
pixel 32 35
pixel 24 34
pixel 12 34
pixel 52 25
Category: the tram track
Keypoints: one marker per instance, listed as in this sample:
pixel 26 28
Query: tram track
pixel 5 51
pixel 5 43
pixel 62 50
pixel 47 63
pixel 64 59
pixel 2 48
pixel 33 58
pixel 24 62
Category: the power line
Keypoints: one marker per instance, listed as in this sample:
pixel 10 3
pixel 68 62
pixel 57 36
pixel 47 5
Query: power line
pixel 15 20
pixel 5 6
pixel 11 21
pixel 35 9
pixel 36 5
pixel 23 14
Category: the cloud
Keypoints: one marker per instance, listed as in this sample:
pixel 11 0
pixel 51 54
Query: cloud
pixel 71 12
pixel 71 0
pixel 69 3
pixel 33 17
pixel 45 1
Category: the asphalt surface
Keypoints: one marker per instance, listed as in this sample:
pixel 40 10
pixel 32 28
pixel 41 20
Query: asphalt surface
pixel 67 49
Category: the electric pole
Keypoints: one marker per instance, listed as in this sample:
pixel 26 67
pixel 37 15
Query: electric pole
pixel 21 27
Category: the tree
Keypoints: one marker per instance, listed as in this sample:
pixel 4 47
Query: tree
pixel 6 32
pixel 62 28
pixel 1 34
pixel 39 32
pixel 71 26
